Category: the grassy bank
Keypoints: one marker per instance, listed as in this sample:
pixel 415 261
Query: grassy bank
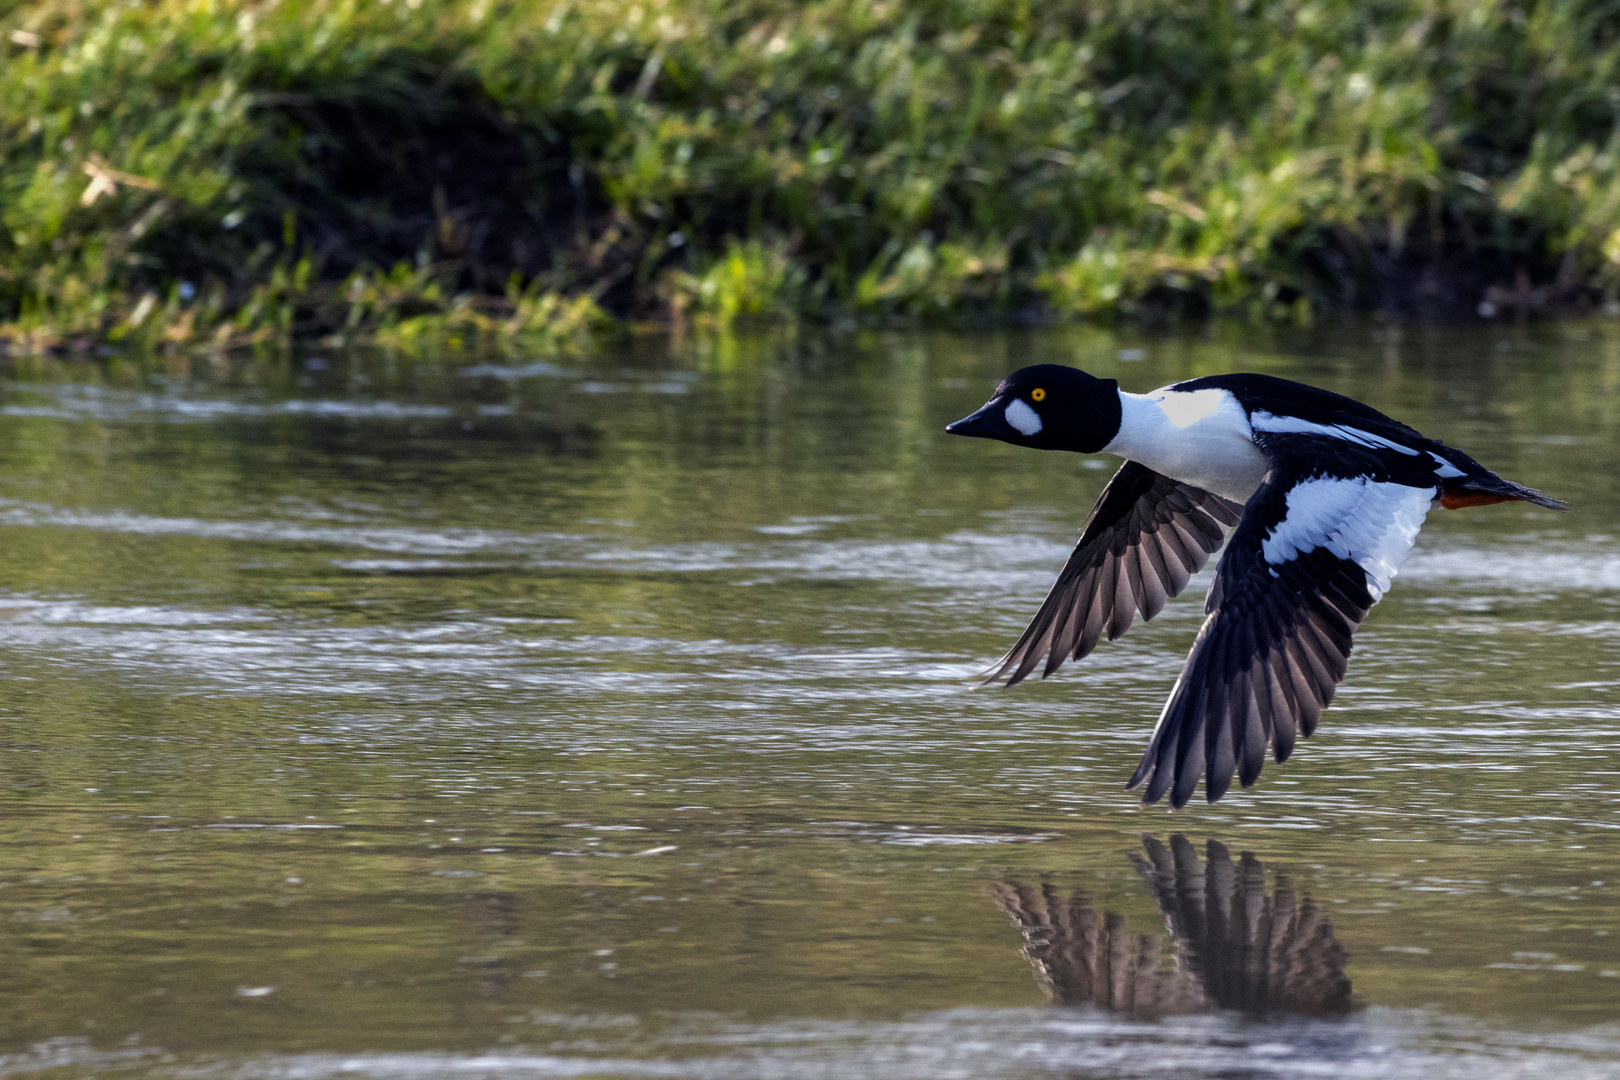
pixel 221 171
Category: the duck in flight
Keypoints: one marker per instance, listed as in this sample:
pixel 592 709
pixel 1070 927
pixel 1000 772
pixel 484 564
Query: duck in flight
pixel 1326 496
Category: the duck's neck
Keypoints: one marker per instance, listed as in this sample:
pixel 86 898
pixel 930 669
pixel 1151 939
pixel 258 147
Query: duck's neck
pixel 1200 437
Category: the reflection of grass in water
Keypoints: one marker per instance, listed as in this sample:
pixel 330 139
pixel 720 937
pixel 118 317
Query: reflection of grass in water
pixel 453 169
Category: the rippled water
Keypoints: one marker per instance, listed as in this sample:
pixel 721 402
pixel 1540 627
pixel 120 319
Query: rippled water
pixel 382 717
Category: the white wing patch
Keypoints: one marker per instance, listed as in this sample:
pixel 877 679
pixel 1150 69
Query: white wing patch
pixel 1369 523
pixel 1293 425
pixel 1024 418
pixel 1184 408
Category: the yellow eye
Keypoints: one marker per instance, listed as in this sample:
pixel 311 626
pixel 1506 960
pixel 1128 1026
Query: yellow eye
pixel 1037 395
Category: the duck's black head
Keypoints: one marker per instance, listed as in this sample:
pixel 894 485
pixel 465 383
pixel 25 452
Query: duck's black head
pixel 1049 407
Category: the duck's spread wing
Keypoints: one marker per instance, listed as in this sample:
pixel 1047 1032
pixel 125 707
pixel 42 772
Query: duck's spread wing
pixel 1312 555
pixel 1147 535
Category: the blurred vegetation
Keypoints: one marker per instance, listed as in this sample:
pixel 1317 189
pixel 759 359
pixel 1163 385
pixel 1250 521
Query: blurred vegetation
pixel 478 171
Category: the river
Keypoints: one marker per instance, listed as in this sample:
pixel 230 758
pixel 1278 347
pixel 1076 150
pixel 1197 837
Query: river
pixel 370 715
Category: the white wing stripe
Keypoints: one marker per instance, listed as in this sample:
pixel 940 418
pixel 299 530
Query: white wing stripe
pixel 1445 470
pixel 1371 524
pixel 1293 425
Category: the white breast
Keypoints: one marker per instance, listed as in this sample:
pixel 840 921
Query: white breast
pixel 1200 437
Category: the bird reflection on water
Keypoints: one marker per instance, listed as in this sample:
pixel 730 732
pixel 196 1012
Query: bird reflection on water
pixel 1232 943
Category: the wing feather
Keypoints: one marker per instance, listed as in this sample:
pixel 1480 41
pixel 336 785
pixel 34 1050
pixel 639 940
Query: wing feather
pixel 1143 541
pixel 1278 636
pixel 1124 598
pixel 1156 575
pixel 1256 726
pixel 1096 619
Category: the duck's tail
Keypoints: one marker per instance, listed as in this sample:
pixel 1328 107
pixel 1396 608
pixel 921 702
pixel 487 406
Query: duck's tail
pixel 1465 491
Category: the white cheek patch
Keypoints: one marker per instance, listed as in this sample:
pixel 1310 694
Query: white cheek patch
pixel 1370 524
pixel 1024 418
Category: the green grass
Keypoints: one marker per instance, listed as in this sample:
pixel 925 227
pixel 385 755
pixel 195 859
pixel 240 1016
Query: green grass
pixel 217 171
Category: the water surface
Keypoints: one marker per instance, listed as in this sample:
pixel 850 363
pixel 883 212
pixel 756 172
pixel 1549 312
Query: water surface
pixel 614 716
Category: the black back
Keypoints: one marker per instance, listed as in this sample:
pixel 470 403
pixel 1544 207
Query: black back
pixel 1284 397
